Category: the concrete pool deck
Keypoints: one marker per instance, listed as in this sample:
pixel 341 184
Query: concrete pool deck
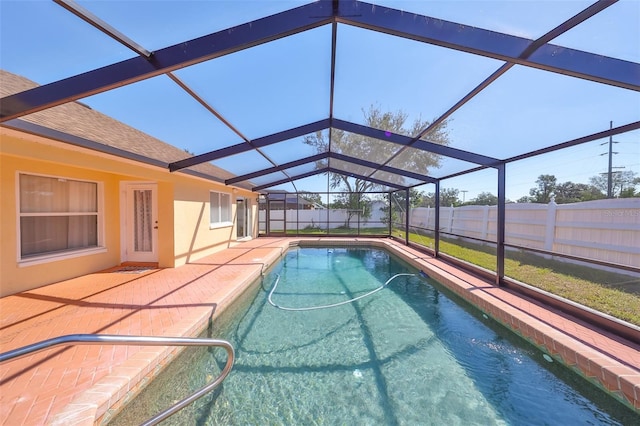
pixel 82 385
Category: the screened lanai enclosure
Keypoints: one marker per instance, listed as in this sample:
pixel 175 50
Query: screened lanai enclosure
pixel 503 135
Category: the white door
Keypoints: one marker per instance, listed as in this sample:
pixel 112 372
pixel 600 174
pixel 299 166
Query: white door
pixel 243 214
pixel 141 223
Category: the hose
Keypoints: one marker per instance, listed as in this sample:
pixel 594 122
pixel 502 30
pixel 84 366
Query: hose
pixel 311 308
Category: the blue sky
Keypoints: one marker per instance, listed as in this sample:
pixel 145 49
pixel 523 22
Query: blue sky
pixel 285 83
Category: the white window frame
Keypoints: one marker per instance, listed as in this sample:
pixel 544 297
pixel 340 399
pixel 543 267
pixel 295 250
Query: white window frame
pixel 66 254
pixel 217 202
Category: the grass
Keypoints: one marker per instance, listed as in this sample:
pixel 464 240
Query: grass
pixel 603 291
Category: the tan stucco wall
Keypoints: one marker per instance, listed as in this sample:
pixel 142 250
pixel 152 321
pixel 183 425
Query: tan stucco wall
pixel 183 210
pixel 194 238
pixel 15 277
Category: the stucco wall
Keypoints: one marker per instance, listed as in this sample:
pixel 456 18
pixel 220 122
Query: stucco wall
pixel 15 277
pixel 183 210
pixel 194 238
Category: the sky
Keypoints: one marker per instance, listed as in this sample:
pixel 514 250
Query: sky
pixel 286 83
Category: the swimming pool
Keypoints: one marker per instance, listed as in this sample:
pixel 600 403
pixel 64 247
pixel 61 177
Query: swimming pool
pixel 408 354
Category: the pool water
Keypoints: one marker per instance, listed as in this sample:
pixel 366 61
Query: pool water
pixel 406 355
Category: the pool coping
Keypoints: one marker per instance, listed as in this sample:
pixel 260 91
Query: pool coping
pixel 111 393
pixel 619 379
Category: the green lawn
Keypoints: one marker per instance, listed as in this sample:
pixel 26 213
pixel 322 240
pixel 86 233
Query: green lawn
pixel 607 292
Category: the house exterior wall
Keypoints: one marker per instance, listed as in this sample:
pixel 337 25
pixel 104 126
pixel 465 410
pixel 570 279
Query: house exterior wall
pixel 183 210
pixel 194 237
pixel 15 276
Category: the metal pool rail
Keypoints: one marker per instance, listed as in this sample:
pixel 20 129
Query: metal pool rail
pixel 107 339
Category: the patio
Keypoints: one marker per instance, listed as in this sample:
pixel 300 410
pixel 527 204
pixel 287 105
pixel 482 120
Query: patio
pixel 83 385
pixel 433 126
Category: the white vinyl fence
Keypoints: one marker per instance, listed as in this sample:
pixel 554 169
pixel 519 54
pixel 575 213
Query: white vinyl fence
pixel 604 230
pixel 326 218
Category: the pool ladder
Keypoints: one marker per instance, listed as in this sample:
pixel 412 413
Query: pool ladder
pixel 107 339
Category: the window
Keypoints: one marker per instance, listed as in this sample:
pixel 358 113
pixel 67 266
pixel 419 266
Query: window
pixel 57 216
pixel 220 210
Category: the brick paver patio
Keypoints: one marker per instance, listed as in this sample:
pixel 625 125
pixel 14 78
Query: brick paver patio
pixel 85 384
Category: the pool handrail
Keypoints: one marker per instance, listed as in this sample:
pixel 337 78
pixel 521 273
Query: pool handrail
pixel 108 339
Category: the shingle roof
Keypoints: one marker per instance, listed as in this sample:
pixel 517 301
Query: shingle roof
pixel 79 120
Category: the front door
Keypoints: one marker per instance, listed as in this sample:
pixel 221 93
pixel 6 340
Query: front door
pixel 140 223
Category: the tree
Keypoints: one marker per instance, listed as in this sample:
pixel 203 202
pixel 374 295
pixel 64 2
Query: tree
pixel 312 197
pixel 623 183
pixel 355 203
pixel 377 151
pixel 569 192
pixel 545 189
pixel 398 203
pixel 630 192
pixel 563 193
pixel 484 199
pixel 448 197
pixel 428 200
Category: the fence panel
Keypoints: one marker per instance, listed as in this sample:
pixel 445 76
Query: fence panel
pixel 526 225
pixel 604 230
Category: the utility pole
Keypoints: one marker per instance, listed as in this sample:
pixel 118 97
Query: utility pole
pixel 464 193
pixel 610 169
